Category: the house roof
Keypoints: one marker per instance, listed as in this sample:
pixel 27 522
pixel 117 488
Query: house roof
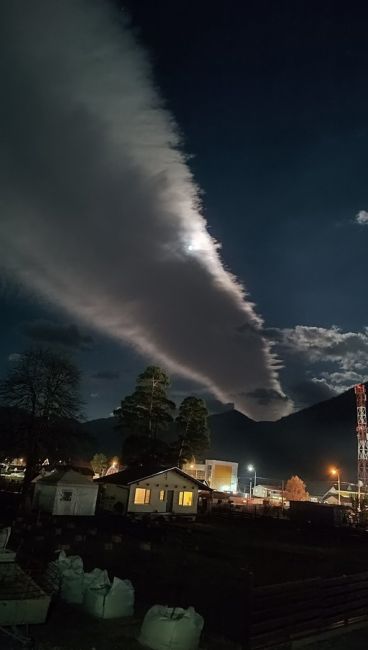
pixel 134 474
pixel 347 493
pixel 64 476
pixel 267 486
pixel 343 500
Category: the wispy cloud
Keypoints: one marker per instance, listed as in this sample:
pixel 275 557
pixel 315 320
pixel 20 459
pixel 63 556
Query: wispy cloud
pixel 68 336
pixel 100 211
pixel 362 217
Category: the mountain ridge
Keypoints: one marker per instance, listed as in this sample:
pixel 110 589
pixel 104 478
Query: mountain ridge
pixel 305 442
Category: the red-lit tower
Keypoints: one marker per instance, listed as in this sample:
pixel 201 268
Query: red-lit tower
pixel 362 435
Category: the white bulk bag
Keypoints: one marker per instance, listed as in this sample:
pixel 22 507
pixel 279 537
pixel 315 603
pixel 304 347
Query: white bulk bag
pixel 110 601
pixel 96 579
pixel 72 580
pixel 56 569
pixel 72 587
pixel 65 562
pixel 167 628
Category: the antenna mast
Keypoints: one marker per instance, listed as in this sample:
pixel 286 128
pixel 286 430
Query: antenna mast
pixel 362 434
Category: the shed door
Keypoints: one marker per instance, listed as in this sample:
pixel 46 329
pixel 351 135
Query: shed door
pixel 169 500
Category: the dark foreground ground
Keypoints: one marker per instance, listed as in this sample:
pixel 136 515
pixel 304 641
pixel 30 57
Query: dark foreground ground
pixel 208 564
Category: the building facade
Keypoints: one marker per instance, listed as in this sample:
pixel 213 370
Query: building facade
pixel 142 491
pixel 348 495
pixel 221 475
pixel 270 492
pixel 65 492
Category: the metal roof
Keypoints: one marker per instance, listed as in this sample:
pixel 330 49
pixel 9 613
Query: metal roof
pixel 135 474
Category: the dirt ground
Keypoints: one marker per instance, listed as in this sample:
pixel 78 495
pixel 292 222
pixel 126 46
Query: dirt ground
pixel 208 564
pixel 72 629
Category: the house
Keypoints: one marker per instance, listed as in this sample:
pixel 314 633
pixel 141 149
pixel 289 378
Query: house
pixel 271 492
pixel 64 491
pixel 348 495
pixel 220 475
pixel 144 490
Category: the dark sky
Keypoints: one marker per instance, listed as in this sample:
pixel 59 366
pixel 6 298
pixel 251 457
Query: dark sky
pixel 271 100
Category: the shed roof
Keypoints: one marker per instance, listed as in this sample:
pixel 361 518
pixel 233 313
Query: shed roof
pixel 134 474
pixel 64 476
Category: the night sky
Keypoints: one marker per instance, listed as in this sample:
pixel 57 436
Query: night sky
pixel 270 99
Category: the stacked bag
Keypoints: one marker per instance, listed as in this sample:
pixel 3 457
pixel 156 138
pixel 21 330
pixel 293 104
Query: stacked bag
pixel 93 590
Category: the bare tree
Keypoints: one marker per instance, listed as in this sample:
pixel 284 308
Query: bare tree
pixel 43 386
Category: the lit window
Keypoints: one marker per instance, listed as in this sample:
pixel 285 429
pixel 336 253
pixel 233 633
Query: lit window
pixel 142 496
pixel 185 498
pixel 162 495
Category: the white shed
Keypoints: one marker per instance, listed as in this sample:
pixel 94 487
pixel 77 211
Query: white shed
pixel 65 492
pixel 163 491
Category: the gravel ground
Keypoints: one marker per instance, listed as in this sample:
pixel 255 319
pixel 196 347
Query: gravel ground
pixel 353 640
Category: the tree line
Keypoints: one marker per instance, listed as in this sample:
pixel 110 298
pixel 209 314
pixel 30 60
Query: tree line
pixel 148 413
pixel 42 411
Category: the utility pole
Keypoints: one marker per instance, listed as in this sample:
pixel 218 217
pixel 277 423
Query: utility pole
pixel 361 430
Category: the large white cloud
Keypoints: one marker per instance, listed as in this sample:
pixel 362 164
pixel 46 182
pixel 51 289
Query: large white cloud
pixel 99 209
pixel 332 359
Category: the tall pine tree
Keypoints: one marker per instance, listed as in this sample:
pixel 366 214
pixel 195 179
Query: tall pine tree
pixel 144 415
pixel 192 429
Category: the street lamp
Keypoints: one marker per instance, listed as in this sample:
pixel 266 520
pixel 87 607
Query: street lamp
pixel 251 468
pixel 336 472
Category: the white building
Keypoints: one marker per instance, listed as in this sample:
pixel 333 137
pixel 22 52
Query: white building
pixel 221 475
pixel 348 495
pixel 65 492
pixel 271 492
pixel 150 491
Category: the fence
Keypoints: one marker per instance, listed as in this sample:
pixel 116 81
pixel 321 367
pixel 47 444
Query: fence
pixel 282 613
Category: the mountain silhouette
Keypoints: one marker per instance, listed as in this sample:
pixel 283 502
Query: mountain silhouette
pixel 307 442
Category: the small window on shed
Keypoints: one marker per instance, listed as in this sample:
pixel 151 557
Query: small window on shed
pixel 66 495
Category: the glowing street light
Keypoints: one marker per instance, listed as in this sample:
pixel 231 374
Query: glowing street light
pixel 251 468
pixel 335 472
